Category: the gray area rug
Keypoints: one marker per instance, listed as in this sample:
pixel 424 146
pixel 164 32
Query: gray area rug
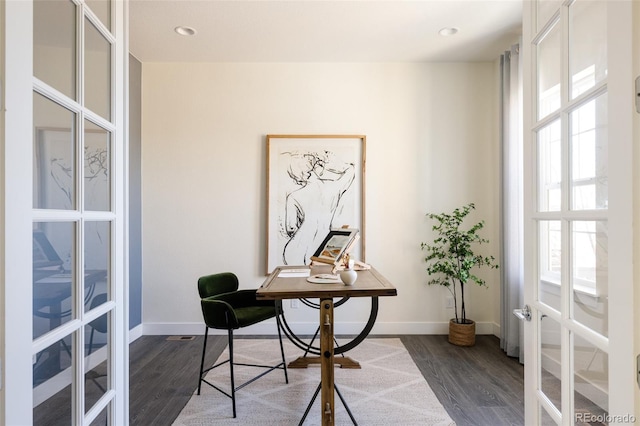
pixel 388 390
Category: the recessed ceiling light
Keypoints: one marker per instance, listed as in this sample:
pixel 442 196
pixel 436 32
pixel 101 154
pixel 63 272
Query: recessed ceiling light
pixel 185 31
pixel 448 31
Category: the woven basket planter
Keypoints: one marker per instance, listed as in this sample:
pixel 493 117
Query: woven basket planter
pixel 462 334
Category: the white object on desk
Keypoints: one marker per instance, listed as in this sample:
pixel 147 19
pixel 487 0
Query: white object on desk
pixel 348 276
pixel 324 279
pixel 294 273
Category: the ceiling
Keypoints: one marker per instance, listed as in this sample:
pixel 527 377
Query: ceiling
pixel 322 30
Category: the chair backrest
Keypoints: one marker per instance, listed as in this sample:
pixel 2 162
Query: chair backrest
pixel 211 285
pixel 101 324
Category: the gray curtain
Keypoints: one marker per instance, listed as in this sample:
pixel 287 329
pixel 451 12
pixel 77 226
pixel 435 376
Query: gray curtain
pixel 511 262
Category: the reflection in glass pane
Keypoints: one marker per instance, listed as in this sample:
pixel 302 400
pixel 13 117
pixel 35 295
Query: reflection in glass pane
pixel 54 44
pixel 52 375
pixel 545 10
pixel 97 256
pixel 97 69
pixel 102 9
pixel 549 259
pixel 589 155
pixel 53 155
pixel 545 418
pixel 587 45
pixel 96 363
pixel 102 418
pixel 97 168
pixel 549 167
pixel 589 246
pixel 53 275
pixel 591 377
pixel 550 361
pixel 549 72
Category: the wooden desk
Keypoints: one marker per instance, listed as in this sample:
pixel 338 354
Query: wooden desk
pixel 370 283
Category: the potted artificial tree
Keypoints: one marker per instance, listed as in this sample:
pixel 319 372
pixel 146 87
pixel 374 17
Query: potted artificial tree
pixel 450 261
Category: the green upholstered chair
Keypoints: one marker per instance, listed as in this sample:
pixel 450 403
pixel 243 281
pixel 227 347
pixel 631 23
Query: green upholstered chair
pixel 224 307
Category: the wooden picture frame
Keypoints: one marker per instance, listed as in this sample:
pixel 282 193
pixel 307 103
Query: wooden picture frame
pixel 315 183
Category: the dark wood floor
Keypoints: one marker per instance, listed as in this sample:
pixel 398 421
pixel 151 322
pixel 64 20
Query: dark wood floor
pixel 479 385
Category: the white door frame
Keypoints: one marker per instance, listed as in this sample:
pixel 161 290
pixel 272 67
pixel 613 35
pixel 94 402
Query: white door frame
pixel 621 297
pixel 16 214
pixel 17 205
pixel 623 301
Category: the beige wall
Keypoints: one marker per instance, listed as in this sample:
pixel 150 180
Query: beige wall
pixel 432 145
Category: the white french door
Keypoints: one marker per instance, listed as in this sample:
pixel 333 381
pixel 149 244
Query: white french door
pixel 65 341
pixel 578 122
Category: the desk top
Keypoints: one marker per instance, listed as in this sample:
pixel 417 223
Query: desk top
pixel 369 283
pixel 57 287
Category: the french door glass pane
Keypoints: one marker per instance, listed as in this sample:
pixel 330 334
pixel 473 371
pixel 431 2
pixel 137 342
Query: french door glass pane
pixel 545 418
pixel 587 45
pixel 54 278
pixel 97 373
pixel 550 361
pixel 102 418
pixel 73 178
pixel 52 384
pixel 97 168
pixel 549 168
pixel 54 169
pixel 97 257
pixel 591 383
pixel 589 155
pixel 545 10
pixel 102 9
pixel 54 44
pixel 549 259
pixel 97 71
pixel 549 72
pixel 589 280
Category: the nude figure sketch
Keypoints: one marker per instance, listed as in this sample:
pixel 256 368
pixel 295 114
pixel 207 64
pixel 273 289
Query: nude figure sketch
pixel 321 181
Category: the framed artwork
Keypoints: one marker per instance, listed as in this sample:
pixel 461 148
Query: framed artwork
pixel 315 183
pixel 56 170
pixel 59 164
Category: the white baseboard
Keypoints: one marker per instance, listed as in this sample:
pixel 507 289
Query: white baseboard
pixel 496 329
pixel 135 333
pixel 267 328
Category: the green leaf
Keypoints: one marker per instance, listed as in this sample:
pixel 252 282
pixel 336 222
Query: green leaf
pixel 450 257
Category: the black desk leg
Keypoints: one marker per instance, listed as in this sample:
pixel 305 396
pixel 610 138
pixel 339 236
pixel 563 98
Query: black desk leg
pixel 315 395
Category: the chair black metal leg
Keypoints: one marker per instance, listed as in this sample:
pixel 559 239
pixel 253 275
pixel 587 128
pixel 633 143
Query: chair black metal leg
pixel 284 361
pixel 91 341
pixel 204 351
pixel 233 384
pixel 66 347
pixel 232 364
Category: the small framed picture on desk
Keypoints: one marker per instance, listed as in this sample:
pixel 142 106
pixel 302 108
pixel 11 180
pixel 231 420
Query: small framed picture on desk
pixel 335 245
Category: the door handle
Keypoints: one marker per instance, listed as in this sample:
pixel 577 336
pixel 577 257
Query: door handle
pixel 524 313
